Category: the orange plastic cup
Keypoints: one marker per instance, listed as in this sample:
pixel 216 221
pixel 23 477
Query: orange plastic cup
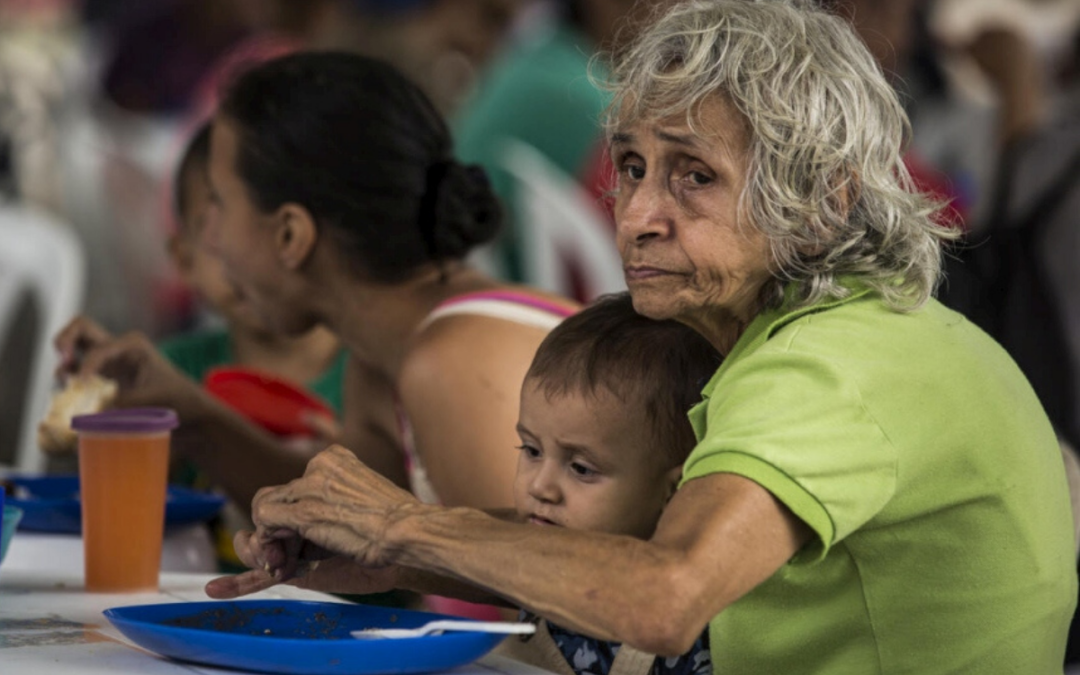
pixel 123 470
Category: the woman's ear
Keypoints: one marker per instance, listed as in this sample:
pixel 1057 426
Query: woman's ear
pixel 296 235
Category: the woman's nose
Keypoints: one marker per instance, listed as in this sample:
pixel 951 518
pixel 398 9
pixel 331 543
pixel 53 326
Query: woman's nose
pixel 644 214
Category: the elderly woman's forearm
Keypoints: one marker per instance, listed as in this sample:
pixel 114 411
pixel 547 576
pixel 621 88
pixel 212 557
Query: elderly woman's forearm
pixel 587 582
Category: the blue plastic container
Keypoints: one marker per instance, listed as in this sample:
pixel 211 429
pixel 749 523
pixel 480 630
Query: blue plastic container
pixel 12 515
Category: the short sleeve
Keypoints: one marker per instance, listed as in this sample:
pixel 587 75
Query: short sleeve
pixel 796 424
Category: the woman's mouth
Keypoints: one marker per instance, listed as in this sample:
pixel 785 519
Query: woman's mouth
pixel 537 520
pixel 640 272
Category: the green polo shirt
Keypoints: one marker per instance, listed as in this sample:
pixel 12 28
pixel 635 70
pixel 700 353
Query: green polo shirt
pixel 919 456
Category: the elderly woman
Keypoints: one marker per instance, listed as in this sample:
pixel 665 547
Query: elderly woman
pixel 876 488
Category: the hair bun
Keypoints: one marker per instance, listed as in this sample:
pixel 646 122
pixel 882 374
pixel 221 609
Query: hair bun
pixel 463 210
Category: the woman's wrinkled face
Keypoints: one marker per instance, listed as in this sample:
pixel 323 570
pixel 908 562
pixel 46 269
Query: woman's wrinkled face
pixel 686 255
pixel 241 235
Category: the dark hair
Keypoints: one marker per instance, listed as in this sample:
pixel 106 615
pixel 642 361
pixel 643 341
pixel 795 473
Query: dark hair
pixel 196 158
pixel 661 364
pixel 357 144
pixel 573 12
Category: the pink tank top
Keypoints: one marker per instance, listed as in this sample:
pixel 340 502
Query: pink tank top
pixel 513 306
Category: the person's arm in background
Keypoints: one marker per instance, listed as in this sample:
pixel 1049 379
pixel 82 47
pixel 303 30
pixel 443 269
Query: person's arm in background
pixel 369 421
pixel 236 455
pixel 1014 69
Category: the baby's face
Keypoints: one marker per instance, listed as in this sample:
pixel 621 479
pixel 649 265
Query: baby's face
pixel 589 462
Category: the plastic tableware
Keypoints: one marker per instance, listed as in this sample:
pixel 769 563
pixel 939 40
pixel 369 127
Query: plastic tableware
pixel 51 504
pixel 296 637
pixel 436 627
pixel 123 476
pixel 277 405
pixel 11 516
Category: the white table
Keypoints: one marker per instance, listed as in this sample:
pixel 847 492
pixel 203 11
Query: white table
pixel 185 549
pixel 50 626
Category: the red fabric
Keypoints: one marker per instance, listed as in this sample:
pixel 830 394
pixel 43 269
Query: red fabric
pixel 930 181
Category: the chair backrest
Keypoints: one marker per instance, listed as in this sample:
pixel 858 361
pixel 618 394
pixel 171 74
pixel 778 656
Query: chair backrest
pixel 41 259
pixel 560 226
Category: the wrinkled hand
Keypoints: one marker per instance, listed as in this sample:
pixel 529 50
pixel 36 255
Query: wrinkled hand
pixel 315 569
pixel 340 507
pixel 144 376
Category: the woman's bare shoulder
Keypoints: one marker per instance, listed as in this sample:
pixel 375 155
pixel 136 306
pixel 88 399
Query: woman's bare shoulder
pixel 474 343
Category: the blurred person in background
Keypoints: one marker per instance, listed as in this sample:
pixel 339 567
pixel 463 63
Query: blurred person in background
pixel 543 93
pixel 440 44
pixel 314 361
pixel 161 50
pixel 336 202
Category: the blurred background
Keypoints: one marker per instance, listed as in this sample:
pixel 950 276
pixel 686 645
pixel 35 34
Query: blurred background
pixel 98 97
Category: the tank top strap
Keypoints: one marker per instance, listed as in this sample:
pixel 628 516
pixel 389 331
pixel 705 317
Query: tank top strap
pixel 514 306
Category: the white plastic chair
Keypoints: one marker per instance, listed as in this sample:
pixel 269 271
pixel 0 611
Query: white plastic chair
pixel 558 221
pixel 40 257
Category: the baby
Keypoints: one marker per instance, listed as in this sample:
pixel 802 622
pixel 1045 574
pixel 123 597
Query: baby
pixel 604 433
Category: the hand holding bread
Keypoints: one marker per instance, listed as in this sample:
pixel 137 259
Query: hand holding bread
pixel 82 395
pixel 125 371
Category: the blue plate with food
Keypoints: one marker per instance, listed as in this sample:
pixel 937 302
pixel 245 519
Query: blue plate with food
pixel 51 504
pixel 296 637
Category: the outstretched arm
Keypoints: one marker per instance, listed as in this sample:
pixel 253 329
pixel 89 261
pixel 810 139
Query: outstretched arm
pixel 236 455
pixel 720 536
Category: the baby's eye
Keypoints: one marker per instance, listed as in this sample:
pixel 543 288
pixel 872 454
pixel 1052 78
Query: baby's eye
pixel 582 471
pixel 529 451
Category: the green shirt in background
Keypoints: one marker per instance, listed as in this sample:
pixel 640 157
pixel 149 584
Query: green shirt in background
pixel 919 456
pixel 541 95
pixel 195 354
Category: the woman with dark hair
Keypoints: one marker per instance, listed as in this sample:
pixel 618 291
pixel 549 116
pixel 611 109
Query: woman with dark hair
pixel 336 201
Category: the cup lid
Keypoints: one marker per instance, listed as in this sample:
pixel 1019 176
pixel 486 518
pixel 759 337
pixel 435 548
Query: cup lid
pixel 127 421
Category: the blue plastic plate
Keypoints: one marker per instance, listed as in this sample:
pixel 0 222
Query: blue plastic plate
pixel 295 637
pixel 51 504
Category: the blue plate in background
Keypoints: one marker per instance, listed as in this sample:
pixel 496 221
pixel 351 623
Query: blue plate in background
pixel 51 504
pixel 296 637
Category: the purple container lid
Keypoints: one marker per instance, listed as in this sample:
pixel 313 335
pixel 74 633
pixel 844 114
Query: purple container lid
pixel 127 421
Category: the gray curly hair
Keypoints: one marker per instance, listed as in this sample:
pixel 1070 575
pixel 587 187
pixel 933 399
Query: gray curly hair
pixel 826 182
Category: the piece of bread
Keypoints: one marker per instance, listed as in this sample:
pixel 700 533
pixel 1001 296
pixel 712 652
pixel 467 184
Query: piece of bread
pixel 81 396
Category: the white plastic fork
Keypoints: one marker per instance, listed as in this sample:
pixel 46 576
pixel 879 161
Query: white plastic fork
pixel 435 627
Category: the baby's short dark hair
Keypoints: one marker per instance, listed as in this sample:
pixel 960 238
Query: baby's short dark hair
pixel 661 364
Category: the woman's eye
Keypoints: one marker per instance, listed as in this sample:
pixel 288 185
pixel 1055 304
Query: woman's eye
pixel 634 172
pixel 698 178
